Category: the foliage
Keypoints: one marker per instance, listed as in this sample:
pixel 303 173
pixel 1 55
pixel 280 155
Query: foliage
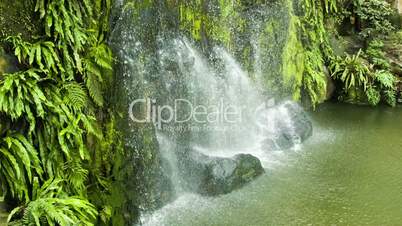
pixel 314 80
pixel 37 54
pixel 396 38
pixel 26 97
pixel 373 96
pixel 49 109
pixel 313 23
pixel 318 50
pixel 351 71
pixel 108 163
pixel 19 164
pixel 97 60
pixel 374 16
pixel 390 97
pixel 21 95
pixel 370 69
pixel 376 55
pixel 52 206
pixel 361 71
pixel 385 81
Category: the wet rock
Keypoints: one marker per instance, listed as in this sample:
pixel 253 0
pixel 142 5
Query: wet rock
pixel 287 133
pixel 282 141
pixel 217 175
pixel 302 124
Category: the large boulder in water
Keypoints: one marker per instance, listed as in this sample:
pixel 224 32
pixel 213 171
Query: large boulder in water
pixel 218 175
pixel 295 128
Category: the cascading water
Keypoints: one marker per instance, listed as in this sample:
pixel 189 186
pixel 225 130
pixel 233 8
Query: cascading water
pixel 232 86
pixel 226 82
pixel 210 153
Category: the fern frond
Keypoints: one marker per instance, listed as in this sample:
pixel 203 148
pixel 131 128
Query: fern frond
pixel 53 207
pixel 75 96
pixel 19 162
pixel 94 88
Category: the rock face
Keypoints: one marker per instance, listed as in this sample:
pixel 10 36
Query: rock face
pixel 144 184
pixel 286 135
pixel 216 175
pixel 8 63
pixel 17 17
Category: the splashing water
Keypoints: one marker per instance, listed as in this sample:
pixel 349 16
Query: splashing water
pixel 158 62
pixel 209 83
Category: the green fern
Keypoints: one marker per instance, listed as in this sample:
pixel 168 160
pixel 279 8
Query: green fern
pixel 373 96
pixel 351 71
pixel 51 206
pixel 75 96
pixel 390 97
pixel 314 80
pixel 376 55
pixel 57 93
pixel 21 95
pixel 41 54
pixel 94 88
pixel 98 63
pixel 385 79
pixel 318 50
pixel 19 163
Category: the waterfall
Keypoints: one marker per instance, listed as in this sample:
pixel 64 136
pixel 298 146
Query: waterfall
pixel 225 83
pixel 213 124
pixel 232 85
pixel 207 82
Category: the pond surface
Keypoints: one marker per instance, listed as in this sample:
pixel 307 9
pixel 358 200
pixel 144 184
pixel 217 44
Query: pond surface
pixel 348 173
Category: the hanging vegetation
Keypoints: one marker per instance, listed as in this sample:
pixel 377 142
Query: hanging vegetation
pixel 356 75
pixel 50 113
pixel 317 48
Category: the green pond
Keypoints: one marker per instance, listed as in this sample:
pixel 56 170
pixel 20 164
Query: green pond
pixel 348 173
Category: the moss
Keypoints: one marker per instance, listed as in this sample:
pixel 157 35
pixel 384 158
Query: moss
pixel 293 60
pixel 281 52
pixel 17 17
pixel 206 22
pixel 191 20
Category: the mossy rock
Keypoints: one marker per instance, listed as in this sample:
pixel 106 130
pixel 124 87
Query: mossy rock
pixel 18 17
pixel 211 176
pixel 286 137
pixel 8 63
